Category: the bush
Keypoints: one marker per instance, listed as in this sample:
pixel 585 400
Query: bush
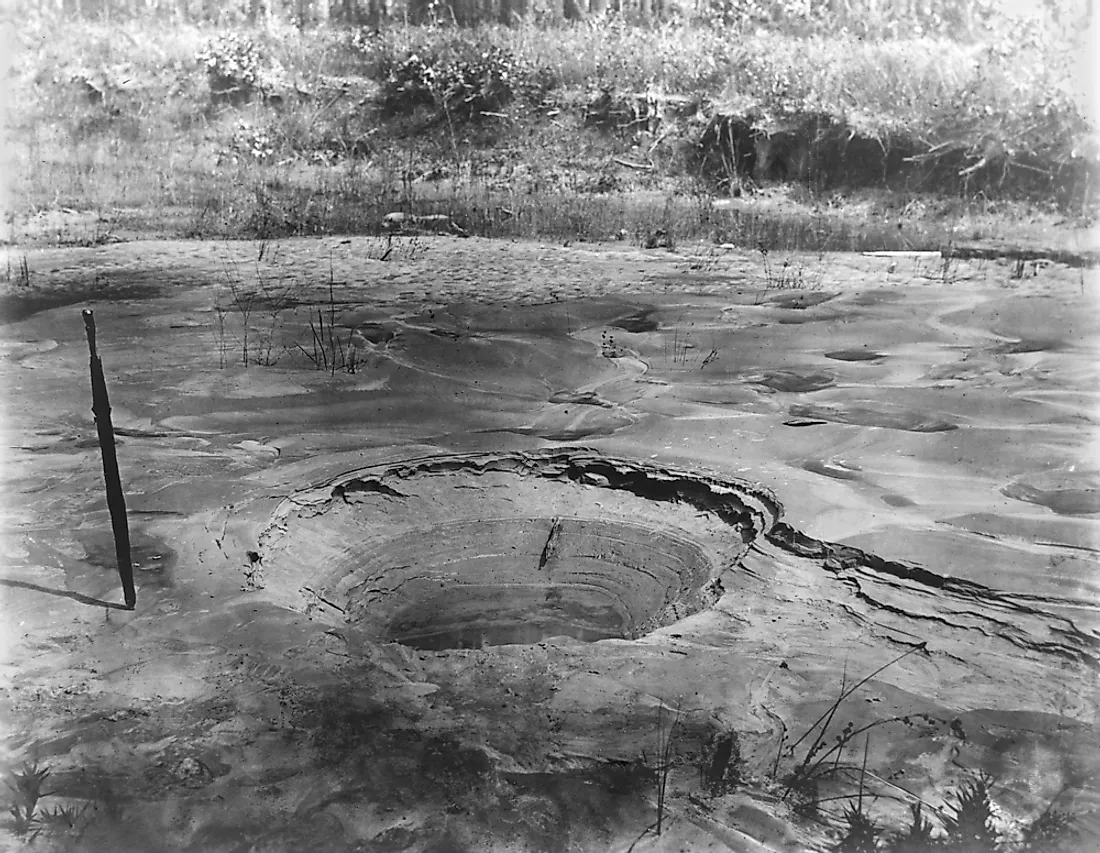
pixel 483 83
pixel 409 85
pixel 233 66
pixel 476 81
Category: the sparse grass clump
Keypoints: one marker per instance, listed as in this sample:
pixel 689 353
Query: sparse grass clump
pixel 968 817
pixel 966 821
pixel 29 819
pixel 918 837
pixel 861 833
pixel 1052 830
pixel 27 789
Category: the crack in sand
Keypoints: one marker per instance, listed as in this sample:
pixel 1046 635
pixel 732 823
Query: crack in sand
pixel 1079 646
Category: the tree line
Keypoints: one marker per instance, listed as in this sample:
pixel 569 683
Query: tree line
pixel 963 14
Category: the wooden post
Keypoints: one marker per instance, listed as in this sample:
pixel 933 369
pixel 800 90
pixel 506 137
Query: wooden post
pixel 116 502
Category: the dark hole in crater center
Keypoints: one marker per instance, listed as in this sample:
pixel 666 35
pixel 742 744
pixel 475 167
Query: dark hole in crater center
pixel 498 582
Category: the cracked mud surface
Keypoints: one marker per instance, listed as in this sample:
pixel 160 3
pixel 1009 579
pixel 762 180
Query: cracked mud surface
pixel 435 604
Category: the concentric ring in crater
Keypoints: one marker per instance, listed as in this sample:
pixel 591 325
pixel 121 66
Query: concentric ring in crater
pixel 473 550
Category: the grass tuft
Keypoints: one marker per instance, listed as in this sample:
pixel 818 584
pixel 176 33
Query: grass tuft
pixel 968 821
pixel 27 820
pixel 861 833
pixel 822 759
pixel 917 838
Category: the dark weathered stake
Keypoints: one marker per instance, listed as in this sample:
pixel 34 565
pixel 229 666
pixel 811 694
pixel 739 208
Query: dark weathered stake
pixel 116 502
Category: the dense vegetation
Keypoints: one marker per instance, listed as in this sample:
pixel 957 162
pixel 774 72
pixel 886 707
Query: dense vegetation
pixel 245 119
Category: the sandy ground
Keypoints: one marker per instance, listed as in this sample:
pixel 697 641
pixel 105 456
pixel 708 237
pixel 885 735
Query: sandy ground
pixel 650 487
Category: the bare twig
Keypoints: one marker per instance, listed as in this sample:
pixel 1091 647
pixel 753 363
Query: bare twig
pixel 647 167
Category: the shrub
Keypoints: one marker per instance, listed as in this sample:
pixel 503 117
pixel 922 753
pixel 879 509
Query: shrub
pixel 476 81
pixel 482 83
pixel 409 85
pixel 233 66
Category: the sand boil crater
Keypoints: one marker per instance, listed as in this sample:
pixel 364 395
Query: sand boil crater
pixel 473 550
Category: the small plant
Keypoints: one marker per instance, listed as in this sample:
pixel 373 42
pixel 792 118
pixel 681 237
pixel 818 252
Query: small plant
pixel 221 335
pixel 329 350
pixel 948 268
pixel 918 838
pixel 788 275
pixel 257 340
pixel 31 820
pixel 27 787
pixel 666 735
pixel 663 236
pixel 69 820
pixel 21 275
pixel 24 823
pixel 386 248
pixel 683 348
pixel 968 821
pixel 607 345
pixel 1050 831
pixel 862 833
pixel 664 762
pixel 820 759
pixel 968 824
pixel 709 261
